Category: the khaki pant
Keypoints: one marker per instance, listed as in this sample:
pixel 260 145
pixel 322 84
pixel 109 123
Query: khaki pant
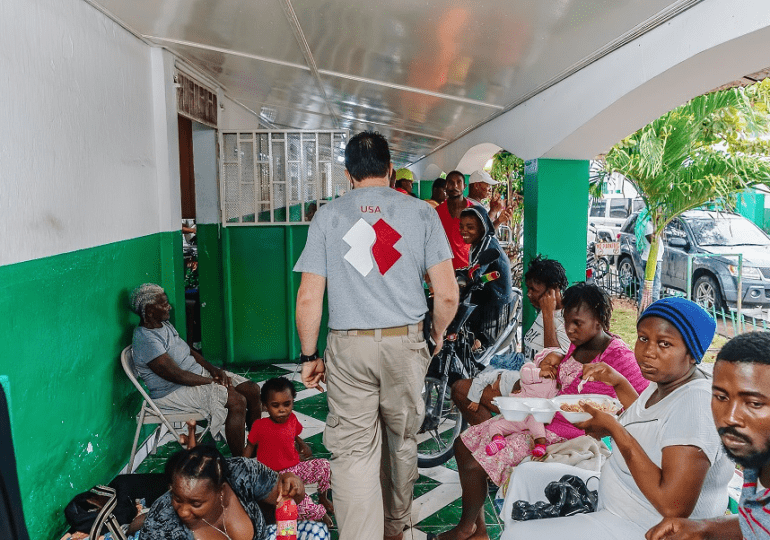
pixel 374 392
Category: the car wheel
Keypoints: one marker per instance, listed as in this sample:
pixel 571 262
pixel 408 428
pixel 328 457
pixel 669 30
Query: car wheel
pixel 707 293
pixel 626 272
pixel 627 277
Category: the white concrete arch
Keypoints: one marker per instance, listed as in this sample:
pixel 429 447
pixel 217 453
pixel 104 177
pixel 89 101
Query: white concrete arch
pixel 476 157
pixel 713 43
pixel 431 172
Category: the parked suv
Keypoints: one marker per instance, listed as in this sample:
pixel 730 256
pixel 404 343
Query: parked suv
pixel 609 213
pixel 714 279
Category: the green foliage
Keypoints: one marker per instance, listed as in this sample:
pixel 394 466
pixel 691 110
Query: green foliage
pixel 508 169
pixel 705 150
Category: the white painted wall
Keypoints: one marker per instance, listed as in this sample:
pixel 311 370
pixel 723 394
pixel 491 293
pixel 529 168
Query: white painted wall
pixel 710 44
pixel 79 135
pixel 205 165
pixel 236 116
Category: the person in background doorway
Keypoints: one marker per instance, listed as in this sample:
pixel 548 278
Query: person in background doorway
pixel 438 192
pixel 188 230
pixel 312 208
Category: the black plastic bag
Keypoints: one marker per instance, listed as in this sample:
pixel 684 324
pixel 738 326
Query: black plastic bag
pixel 567 497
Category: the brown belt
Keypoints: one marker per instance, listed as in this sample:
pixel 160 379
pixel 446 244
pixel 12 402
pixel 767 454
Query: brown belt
pixel 384 332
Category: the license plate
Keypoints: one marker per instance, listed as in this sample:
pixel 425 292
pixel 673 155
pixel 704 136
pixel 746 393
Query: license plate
pixel 607 248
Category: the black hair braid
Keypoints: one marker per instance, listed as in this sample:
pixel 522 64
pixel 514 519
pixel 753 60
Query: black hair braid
pixel 593 297
pixel 549 272
pixel 201 462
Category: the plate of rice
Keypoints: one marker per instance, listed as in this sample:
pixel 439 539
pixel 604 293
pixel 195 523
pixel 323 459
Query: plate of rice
pixel 572 406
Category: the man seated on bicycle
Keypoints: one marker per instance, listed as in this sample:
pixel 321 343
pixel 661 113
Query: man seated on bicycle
pixel 494 298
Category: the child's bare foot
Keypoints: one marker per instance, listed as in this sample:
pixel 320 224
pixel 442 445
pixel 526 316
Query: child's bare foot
pixel 326 503
pixel 188 440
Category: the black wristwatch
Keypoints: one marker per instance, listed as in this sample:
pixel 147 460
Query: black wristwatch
pixel 312 358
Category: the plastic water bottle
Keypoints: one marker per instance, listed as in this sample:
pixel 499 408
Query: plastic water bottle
pixel 286 520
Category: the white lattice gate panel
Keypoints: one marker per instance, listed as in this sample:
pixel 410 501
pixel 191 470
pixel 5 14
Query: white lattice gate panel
pixel 279 177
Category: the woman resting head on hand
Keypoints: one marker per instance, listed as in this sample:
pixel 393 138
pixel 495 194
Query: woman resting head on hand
pixel 667 458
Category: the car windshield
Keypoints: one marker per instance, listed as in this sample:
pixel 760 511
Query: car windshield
pixel 727 231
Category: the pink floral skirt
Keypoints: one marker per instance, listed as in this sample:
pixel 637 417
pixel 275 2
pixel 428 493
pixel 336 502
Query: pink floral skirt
pixel 498 467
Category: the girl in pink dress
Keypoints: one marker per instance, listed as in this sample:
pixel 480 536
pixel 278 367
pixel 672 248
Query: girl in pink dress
pixel 587 313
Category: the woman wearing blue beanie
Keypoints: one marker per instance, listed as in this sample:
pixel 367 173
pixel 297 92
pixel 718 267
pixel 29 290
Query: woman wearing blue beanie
pixel 667 458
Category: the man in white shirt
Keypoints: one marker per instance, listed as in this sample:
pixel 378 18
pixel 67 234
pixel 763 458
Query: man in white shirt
pixel 480 187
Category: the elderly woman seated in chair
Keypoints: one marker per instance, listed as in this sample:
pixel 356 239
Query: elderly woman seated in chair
pixel 179 379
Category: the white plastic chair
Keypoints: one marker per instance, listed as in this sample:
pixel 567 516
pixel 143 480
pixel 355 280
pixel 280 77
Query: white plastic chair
pixel 151 414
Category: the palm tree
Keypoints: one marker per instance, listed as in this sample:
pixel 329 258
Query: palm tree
pixel 676 162
pixel 508 169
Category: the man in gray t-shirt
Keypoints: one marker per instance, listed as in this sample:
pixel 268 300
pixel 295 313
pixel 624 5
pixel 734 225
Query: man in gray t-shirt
pixel 370 250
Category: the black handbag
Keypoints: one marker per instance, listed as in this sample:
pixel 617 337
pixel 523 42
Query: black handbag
pixel 567 497
pixel 92 510
pixel 83 510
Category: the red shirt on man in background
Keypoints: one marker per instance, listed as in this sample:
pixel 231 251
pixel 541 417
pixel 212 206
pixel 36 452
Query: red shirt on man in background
pixel 449 214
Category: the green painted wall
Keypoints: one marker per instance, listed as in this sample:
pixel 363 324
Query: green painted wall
pixel 426 189
pixel 751 205
pixel 261 290
pixel 66 321
pixel 556 216
pixel 211 287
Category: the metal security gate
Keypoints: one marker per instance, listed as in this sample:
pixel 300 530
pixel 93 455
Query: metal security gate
pixel 279 177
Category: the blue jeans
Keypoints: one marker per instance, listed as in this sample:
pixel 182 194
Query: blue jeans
pixel 511 360
pixel 655 283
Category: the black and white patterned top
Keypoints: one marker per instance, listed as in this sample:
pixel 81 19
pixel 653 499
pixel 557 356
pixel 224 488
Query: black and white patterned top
pixel 250 481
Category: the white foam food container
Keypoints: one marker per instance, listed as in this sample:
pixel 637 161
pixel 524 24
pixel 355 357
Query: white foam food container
pixel 518 408
pixel 574 417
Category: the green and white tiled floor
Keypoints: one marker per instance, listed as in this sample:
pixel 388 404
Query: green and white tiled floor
pixel 436 505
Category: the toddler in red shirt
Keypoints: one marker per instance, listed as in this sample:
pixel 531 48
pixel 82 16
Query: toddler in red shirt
pixel 278 445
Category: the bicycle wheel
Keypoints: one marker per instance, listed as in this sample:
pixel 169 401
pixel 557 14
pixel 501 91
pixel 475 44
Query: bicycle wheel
pixel 443 423
pixel 602 266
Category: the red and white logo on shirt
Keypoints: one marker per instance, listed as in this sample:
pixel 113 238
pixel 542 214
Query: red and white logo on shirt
pixel 370 244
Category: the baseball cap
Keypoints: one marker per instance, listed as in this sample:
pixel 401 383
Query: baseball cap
pixel 404 174
pixel 482 176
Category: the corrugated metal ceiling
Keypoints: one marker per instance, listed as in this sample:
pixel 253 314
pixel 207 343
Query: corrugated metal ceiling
pixel 422 73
